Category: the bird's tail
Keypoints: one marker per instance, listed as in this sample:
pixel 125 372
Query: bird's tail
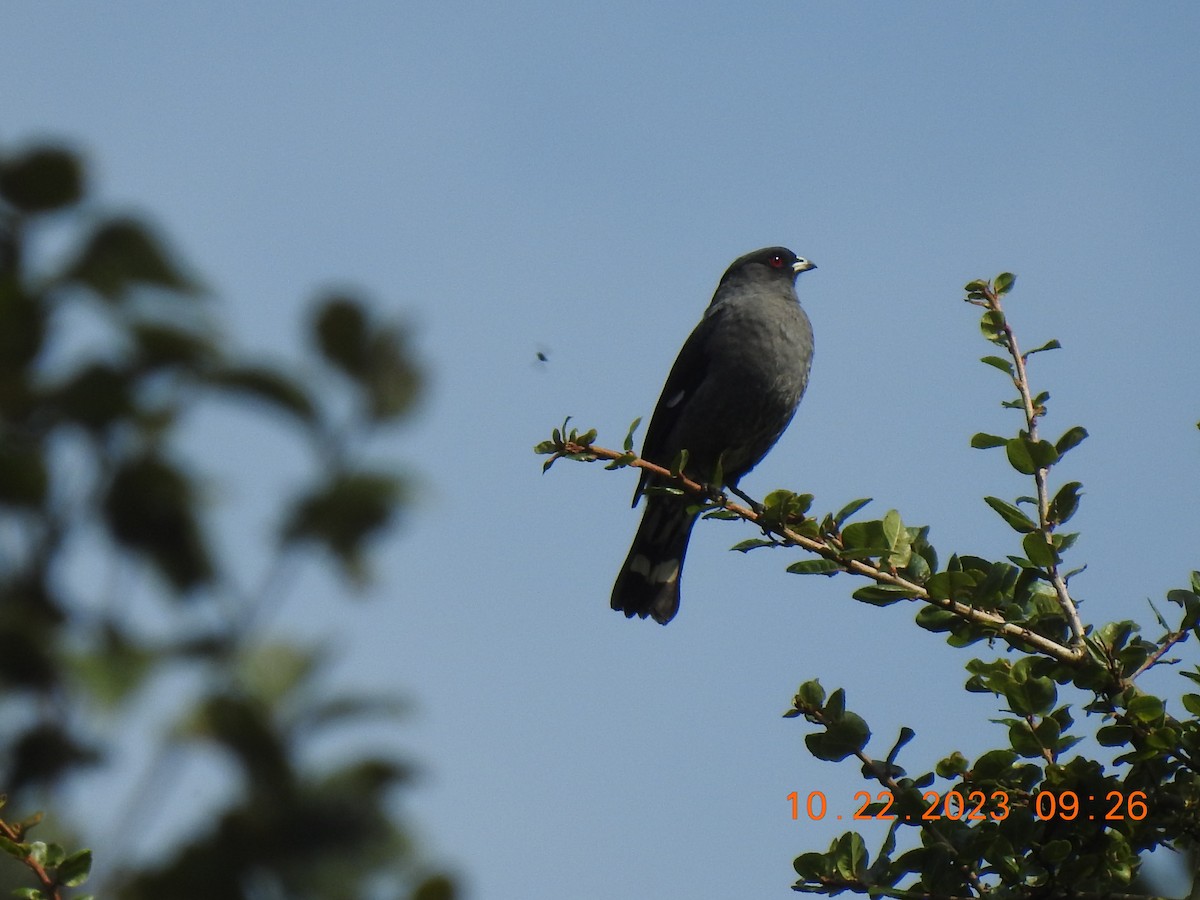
pixel 648 584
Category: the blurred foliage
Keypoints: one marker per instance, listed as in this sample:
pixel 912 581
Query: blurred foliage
pixel 1055 810
pixel 90 454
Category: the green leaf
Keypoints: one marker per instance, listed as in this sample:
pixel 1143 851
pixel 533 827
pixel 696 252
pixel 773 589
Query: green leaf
pixel 1003 283
pixel 881 595
pixel 1190 602
pixel 835 707
pixel 1033 696
pixel 1012 515
pixel 951 586
pixel 952 766
pixel 13 849
pixel 899 543
pixel 991 323
pixel 810 695
pixel 819 566
pixel 1065 503
pixel 848 510
pixel 1028 456
pixel 1146 709
pixel 936 619
pixel 627 445
pixel 753 544
pixel 841 739
pixel 1114 735
pixel 621 461
pixel 850 856
pixel 906 735
pixel 983 441
pixel 781 508
pixel 993 764
pixel 679 463
pixel 74 870
pixel 41 180
pixel 1052 344
pixel 859 536
pixel 997 362
pixel 1023 740
pixel 1072 437
pixel 1040 553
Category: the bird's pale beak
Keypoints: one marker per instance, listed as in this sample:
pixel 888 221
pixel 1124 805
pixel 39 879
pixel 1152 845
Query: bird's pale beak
pixel 802 265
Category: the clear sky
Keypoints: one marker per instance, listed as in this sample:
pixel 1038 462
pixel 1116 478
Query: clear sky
pixel 573 178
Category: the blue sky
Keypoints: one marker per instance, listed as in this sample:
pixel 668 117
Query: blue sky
pixel 574 178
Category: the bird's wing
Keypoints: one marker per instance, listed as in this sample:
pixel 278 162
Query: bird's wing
pixel 688 372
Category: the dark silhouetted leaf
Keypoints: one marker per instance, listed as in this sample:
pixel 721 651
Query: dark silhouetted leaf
pixel 43 179
pixel 343 335
pixel 166 345
pixel 122 254
pixel 23 475
pixel 268 385
pixel 97 397
pixel 344 513
pixel 150 510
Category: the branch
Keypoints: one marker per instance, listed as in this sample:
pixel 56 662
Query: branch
pixel 1155 658
pixel 15 835
pixel 1033 412
pixel 1072 655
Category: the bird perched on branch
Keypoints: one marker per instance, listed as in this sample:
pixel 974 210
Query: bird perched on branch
pixel 731 393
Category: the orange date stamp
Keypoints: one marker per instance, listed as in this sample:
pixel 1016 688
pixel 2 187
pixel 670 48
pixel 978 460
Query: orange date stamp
pixel 976 806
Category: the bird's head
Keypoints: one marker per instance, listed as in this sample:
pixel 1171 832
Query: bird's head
pixel 770 262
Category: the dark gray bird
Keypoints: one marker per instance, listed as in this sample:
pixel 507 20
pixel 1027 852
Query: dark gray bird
pixel 730 395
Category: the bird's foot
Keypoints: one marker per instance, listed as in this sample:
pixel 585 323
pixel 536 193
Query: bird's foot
pixel 749 501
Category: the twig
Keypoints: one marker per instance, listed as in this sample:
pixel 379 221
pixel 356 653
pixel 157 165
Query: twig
pixel 1032 414
pixel 1153 660
pixel 49 884
pixel 1016 633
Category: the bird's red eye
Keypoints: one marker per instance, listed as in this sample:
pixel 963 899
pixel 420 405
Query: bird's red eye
pixel 775 260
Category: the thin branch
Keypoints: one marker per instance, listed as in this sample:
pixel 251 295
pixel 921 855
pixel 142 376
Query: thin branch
pixel 1032 414
pixel 48 883
pixel 1155 658
pixel 1006 630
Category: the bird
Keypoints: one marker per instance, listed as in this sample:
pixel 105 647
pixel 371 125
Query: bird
pixel 731 393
